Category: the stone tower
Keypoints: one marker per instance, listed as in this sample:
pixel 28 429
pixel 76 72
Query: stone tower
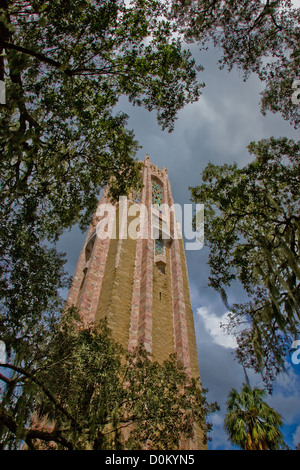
pixel 132 270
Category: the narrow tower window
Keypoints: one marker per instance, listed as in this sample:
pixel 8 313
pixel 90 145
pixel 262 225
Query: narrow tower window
pixel 157 197
pixel 159 246
pixel 89 247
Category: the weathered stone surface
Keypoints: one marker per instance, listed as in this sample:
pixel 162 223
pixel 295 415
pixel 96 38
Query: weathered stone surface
pixel 144 296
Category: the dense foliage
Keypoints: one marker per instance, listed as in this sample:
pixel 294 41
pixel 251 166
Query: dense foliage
pixel 251 423
pixel 261 37
pixel 72 388
pixel 65 65
pixel 252 229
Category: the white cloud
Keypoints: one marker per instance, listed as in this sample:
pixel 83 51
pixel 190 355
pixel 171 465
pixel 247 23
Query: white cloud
pixel 296 436
pixel 213 323
pixel 218 435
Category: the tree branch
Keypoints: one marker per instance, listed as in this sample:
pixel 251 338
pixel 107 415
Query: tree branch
pixel 4 35
pixel 275 23
pixel 5 379
pixel 38 55
pixel 58 65
pixel 30 375
pixel 29 434
pixel 267 10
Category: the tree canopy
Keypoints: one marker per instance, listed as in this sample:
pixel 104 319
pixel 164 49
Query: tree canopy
pixel 65 66
pixel 252 214
pixel 260 37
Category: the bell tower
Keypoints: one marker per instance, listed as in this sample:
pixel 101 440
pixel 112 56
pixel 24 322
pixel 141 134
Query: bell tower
pixel 132 270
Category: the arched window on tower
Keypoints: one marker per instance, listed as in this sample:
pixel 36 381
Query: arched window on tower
pixel 160 255
pixel 88 253
pixel 157 193
pixel 159 247
pixel 89 247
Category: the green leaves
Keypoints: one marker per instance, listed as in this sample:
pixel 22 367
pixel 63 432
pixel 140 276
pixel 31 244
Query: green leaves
pixel 260 37
pixel 250 422
pixel 67 67
pixel 252 229
pixel 80 391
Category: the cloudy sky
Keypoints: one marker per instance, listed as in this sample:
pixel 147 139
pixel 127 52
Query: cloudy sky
pixel 216 129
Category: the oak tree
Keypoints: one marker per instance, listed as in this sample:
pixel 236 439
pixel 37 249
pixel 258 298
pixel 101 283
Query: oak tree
pixel 252 228
pixel 65 65
pixel 75 389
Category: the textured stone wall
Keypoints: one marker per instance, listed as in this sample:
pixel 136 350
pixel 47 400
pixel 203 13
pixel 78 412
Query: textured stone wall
pixel 116 294
pixel 145 298
pixel 193 355
pixel 162 330
pixel 87 280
